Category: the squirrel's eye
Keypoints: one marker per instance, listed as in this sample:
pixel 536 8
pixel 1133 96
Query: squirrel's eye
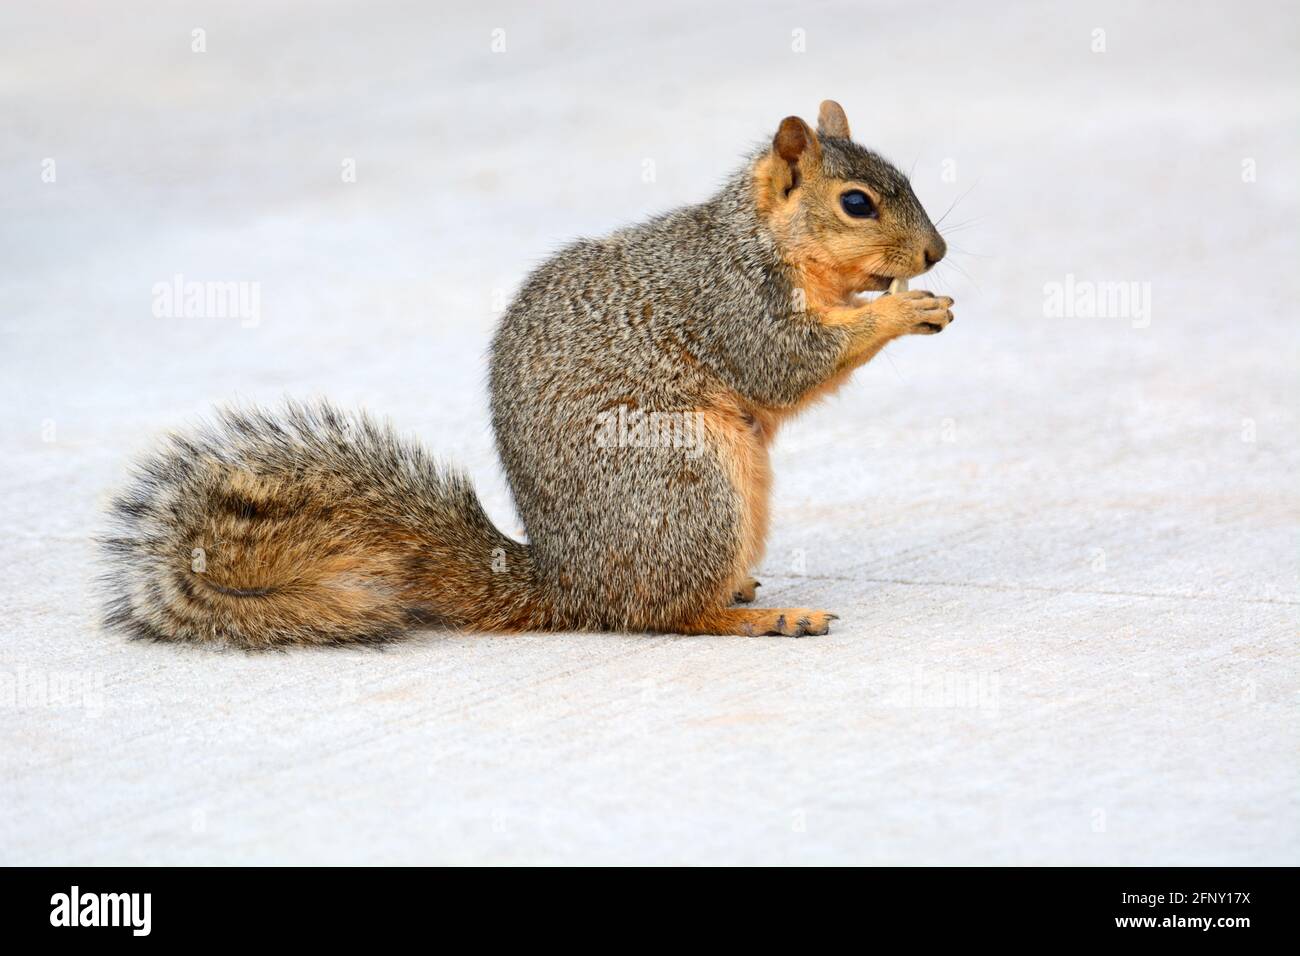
pixel 858 204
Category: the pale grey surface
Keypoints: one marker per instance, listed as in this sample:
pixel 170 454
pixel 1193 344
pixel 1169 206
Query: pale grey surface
pixel 1067 576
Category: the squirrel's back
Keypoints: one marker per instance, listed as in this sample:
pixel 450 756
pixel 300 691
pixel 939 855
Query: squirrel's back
pixel 607 335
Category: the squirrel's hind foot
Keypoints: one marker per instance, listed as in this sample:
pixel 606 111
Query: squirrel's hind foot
pixel 745 591
pixel 753 622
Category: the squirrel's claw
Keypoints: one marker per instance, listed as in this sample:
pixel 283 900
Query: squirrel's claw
pixel 745 592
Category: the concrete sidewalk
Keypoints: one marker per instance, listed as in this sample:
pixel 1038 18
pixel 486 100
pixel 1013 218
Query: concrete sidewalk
pixel 1063 548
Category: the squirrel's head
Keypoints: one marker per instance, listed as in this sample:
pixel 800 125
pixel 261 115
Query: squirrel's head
pixel 843 216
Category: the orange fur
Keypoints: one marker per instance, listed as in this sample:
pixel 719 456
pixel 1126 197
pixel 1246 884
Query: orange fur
pixel 741 443
pixel 752 622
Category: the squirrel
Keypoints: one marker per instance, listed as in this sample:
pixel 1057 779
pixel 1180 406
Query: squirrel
pixel 716 322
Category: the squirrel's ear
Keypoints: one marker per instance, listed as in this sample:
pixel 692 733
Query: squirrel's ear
pixel 831 120
pixel 795 144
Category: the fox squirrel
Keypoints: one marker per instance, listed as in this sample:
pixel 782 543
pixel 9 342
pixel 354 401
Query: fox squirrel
pixel 311 526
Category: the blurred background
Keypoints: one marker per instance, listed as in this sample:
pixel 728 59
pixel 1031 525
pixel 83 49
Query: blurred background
pixel 1063 544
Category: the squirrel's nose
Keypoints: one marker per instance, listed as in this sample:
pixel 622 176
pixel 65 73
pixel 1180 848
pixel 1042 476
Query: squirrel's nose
pixel 935 250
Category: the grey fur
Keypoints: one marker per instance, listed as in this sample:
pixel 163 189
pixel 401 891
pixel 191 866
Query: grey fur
pixel 660 317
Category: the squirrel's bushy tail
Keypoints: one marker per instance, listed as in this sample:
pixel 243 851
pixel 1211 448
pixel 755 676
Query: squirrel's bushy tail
pixel 307 526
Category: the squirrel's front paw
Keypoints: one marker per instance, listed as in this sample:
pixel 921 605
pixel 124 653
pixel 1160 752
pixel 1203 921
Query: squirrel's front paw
pixel 916 312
